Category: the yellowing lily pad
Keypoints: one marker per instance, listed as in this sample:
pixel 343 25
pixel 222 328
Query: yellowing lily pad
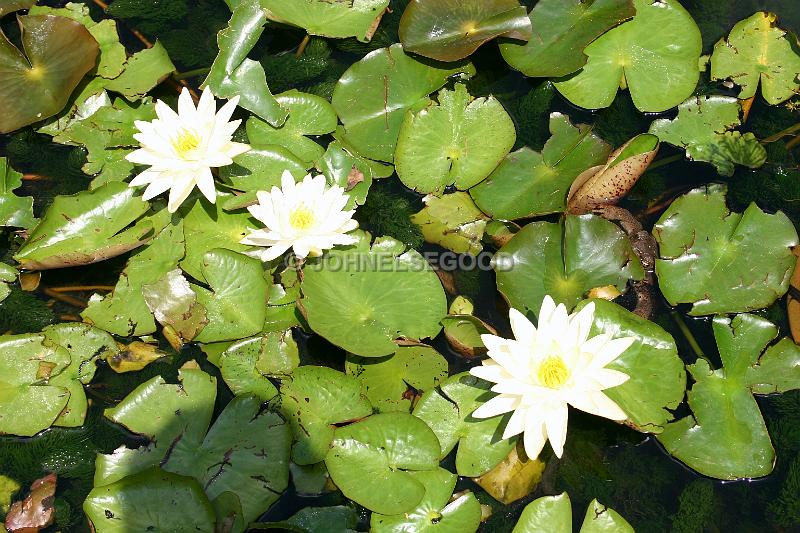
pixel 458 142
pixel 655 56
pixel 357 18
pixel 452 221
pixel 37 84
pixel 757 51
pixel 449 30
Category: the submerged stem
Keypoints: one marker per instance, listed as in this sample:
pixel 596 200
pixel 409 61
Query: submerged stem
pixel 665 161
pixel 687 333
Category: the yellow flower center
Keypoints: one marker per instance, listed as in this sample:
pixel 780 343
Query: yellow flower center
pixel 186 142
pixel 301 217
pixel 552 372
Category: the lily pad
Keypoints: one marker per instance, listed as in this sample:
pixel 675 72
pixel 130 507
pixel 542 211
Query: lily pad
pixel 87 227
pixel 124 311
pixel 308 115
pixel 565 260
pixel 314 399
pixel 259 169
pixel 231 457
pixel 435 512
pixel 358 18
pixel 449 30
pixel 757 51
pixel 452 221
pixel 153 500
pixel 703 127
pixel 726 437
pixel 8 275
pixel 9 6
pixel 15 211
pixel 371 461
pixel 513 478
pixel 458 142
pixel 233 74
pixel 720 261
pixel 144 70
pixel 464 332
pixel 236 305
pixel 373 95
pixel 29 403
pixel 174 305
pixel 562 30
pixel 607 184
pixel 554 514
pixel 448 411
pixel 342 166
pixel 391 383
pixel 364 300
pixel 247 364
pixel 657 376
pixel 528 183
pixel 37 84
pixel 655 56
pixel 335 519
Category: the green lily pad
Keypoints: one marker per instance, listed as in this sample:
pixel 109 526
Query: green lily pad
pixel 463 332
pixel 657 376
pixel 435 512
pixel 373 95
pixel 364 300
pixel 554 514
pixel 448 411
pixel 314 399
pixel 29 403
pixel 565 260
pixel 449 30
pixel 329 19
pixel 528 183
pixel 174 305
pixel 726 437
pixel 87 227
pixel 207 227
pixel 720 261
pixel 107 134
pixel 459 141
pixel 335 519
pixel 342 166
pixel 703 127
pixel 124 311
pixel 452 221
pixel 85 345
pixel 655 56
pixel 15 211
pixel 236 305
pixel 308 115
pixel 386 380
pixel 37 84
pixel 607 184
pixel 153 500
pixel 757 51
pixel 371 461
pixel 259 169
pixel 144 70
pixel 563 29
pixel 8 275
pixel 231 457
pixel 233 74
pixel 246 364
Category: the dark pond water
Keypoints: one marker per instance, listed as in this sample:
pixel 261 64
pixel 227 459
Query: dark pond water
pixel 621 468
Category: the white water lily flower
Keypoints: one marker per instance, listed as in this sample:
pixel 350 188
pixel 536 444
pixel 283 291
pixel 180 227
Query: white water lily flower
pixel 182 148
pixel 306 216
pixel 547 368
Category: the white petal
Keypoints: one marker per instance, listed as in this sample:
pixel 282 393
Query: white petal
pixel 165 113
pixel 274 252
pixel 497 406
pixel 205 182
pixel 156 187
pixel 185 104
pixel 581 323
pixel 608 377
pixel 611 351
pixel 493 373
pixel 143 178
pixel 524 330
pixel 516 424
pixel 534 436
pixel 301 249
pixel 181 188
pixel 556 424
pixel 597 403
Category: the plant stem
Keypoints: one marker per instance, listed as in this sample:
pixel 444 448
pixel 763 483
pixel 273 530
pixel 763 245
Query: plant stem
pixel 665 161
pixel 302 47
pixel 687 333
pixel 191 73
